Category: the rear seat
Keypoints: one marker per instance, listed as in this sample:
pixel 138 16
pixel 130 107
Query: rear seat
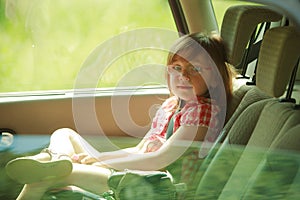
pixel 278 173
pixel 238 25
pixel 291 181
pixel 276 119
pixel 273 71
pixel 239 32
pixel 233 163
pixel 249 120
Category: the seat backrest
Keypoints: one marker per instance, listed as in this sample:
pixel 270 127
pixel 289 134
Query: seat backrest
pixel 282 51
pixel 278 173
pixel 238 24
pixel 277 58
pixel 228 172
pixel 273 131
pixel 289 140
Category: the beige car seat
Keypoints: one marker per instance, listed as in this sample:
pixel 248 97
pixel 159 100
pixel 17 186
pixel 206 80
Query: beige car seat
pixel 250 114
pixel 277 175
pixel 239 23
pixel 276 119
pixel 240 34
pixel 277 58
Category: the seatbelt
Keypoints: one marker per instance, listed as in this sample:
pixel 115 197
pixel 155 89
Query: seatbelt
pixel 169 131
pixel 170 127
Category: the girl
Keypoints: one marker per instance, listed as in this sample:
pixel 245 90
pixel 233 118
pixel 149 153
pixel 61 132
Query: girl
pixel 199 81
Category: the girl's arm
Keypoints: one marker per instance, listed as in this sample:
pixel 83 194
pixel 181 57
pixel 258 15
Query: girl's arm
pixel 171 150
pixel 120 153
pixel 84 158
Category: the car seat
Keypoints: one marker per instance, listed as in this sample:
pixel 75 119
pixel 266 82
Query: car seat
pixel 277 175
pixel 239 24
pixel 242 39
pixel 275 119
pixel 253 120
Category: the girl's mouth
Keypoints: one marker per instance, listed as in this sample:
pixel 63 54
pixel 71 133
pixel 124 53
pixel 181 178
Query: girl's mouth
pixel 185 87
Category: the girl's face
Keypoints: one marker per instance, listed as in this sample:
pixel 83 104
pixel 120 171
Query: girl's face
pixel 187 80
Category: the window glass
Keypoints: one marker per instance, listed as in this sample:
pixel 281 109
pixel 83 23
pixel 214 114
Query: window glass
pixel 44 43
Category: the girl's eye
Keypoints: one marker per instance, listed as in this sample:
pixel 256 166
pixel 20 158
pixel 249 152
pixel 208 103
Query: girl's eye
pixel 190 70
pixel 177 68
pixel 196 69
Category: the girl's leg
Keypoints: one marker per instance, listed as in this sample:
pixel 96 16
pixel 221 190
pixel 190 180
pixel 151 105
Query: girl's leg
pixel 66 142
pixel 87 177
pixel 56 161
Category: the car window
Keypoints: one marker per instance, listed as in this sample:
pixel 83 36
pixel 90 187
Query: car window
pixel 45 43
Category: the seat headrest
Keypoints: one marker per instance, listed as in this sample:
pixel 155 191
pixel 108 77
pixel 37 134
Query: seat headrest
pixel 238 24
pixel 278 56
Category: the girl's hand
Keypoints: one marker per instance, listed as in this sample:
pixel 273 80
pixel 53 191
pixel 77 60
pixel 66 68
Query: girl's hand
pixel 154 145
pixel 84 158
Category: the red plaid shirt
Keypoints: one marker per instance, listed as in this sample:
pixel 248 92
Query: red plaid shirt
pixel 201 112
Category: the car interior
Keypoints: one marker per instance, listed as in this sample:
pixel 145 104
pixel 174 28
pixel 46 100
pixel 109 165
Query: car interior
pixel 256 155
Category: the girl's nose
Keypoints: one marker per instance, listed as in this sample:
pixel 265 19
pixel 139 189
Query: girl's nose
pixel 184 77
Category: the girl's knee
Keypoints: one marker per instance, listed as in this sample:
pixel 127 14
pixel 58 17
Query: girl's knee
pixel 63 132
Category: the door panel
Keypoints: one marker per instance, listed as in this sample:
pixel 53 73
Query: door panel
pixel 45 116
